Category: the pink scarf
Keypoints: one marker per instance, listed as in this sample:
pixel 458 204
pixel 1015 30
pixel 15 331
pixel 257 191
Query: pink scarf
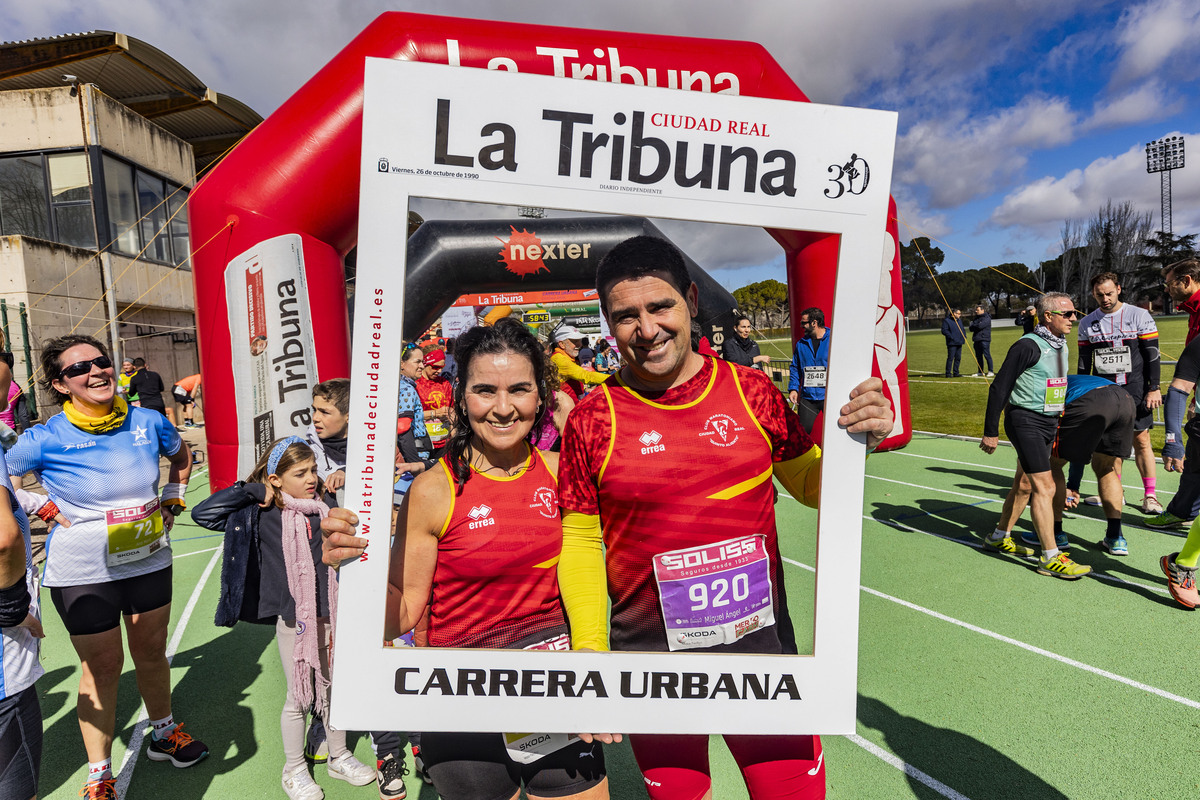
pixel 302 583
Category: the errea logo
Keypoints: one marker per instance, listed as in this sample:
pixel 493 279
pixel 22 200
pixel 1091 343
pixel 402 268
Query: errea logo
pixel 650 441
pixel 481 517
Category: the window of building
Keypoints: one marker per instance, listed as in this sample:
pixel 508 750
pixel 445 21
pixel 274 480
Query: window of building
pixel 121 202
pixel 140 209
pixel 177 204
pixel 24 206
pixel 70 200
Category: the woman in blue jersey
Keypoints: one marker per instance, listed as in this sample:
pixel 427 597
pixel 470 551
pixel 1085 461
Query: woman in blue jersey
pixel 99 461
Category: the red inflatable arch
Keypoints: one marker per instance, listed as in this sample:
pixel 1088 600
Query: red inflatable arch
pixel 297 174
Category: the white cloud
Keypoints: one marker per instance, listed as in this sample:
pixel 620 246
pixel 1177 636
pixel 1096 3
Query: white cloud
pixel 1041 206
pixel 959 159
pixel 1154 34
pixel 1145 103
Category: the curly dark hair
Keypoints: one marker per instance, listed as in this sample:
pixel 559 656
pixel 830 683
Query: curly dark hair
pixel 508 335
pixel 51 353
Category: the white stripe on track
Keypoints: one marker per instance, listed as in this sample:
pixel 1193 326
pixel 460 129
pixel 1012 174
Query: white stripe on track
pixel 906 768
pixel 1023 645
pixel 129 762
pixel 196 552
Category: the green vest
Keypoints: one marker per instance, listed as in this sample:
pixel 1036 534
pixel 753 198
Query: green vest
pixel 1033 391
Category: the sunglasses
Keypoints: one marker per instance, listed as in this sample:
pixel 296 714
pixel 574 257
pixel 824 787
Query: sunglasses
pixel 84 367
pixel 1065 314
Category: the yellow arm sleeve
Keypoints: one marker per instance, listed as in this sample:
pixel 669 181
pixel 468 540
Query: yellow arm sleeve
pixel 802 476
pixel 569 369
pixel 583 582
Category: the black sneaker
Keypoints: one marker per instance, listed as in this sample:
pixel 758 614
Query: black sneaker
pixel 419 766
pixel 179 748
pixel 389 775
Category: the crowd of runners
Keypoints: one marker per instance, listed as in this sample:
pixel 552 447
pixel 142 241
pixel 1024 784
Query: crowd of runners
pixel 591 469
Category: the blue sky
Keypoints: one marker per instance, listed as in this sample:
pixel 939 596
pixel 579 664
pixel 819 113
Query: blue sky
pixel 1014 115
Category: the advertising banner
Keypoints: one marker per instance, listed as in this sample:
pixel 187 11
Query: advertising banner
pixel 486 137
pixel 274 367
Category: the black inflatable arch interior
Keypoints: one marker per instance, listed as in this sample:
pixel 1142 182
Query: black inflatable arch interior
pixel 447 259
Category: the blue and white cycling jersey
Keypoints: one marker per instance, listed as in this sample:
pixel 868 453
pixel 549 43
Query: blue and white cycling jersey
pixel 19 665
pixel 106 484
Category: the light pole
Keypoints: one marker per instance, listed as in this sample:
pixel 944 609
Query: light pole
pixel 1162 156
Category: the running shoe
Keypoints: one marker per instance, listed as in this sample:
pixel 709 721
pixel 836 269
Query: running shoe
pixel 349 769
pixel 991 374
pixel 1093 500
pixel 1116 547
pixel 1007 545
pixel 419 766
pixel 1062 567
pixel 300 786
pixel 1165 520
pixel 179 748
pixel 1031 539
pixel 1150 505
pixel 105 789
pixel 316 748
pixel 1181 581
pixel 389 774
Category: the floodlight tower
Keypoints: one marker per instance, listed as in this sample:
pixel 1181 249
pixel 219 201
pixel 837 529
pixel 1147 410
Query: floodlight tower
pixel 1162 156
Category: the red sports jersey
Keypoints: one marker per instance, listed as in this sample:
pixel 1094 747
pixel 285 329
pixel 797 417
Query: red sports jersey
pixel 691 466
pixel 434 395
pixel 496 582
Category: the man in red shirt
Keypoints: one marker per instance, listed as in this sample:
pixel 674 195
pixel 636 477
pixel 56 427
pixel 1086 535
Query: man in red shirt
pixel 1182 280
pixel 436 393
pixel 678 451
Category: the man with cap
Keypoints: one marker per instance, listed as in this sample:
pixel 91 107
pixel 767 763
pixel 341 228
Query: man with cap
pixel 575 379
pixel 435 392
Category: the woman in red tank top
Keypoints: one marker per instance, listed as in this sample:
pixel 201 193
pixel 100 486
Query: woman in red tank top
pixel 486 521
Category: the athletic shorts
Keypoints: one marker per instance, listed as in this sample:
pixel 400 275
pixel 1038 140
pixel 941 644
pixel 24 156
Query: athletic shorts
pixel 20 744
pixel 1032 436
pixel 97 607
pixel 476 766
pixel 675 767
pixel 1100 421
pixel 182 397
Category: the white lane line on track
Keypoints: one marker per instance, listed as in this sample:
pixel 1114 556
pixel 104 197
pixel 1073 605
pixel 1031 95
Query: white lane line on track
pixel 129 762
pixel 1008 470
pixel 1023 645
pixel 196 552
pixel 906 768
pixel 1066 514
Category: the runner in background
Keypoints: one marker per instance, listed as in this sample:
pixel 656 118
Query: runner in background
pixel 147 385
pixel 127 371
pixel 809 371
pixel 113 564
pixel 436 392
pixel 643 458
pixel 1119 342
pixel 575 379
pixel 185 392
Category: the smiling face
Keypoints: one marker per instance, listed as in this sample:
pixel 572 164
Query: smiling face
pixel 502 402
pixel 93 391
pixel 570 347
pixel 1106 294
pixel 298 480
pixel 652 323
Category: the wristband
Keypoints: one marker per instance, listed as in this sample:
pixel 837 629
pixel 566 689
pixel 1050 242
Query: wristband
pixel 14 604
pixel 172 498
pixel 48 511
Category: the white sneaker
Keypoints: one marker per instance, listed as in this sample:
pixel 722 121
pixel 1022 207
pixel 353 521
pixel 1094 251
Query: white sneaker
pixel 991 374
pixel 349 769
pixel 300 786
pixel 1150 505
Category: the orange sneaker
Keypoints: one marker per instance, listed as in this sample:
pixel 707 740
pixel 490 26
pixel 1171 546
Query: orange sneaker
pixel 105 789
pixel 1181 581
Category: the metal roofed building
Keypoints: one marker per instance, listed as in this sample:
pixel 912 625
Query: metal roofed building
pixel 102 137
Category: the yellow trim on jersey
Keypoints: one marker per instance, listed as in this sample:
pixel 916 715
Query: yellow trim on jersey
pixel 528 464
pixel 547 564
pixel 802 476
pixel 711 382
pixel 745 404
pixel 450 512
pixel 744 486
pixel 1150 335
pixel 612 434
pixel 542 458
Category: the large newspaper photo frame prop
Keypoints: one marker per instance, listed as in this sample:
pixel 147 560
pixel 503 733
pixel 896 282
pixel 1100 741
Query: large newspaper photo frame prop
pixel 491 137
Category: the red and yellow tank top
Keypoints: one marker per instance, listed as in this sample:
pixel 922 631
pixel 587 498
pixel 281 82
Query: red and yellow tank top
pixel 496 582
pixel 678 476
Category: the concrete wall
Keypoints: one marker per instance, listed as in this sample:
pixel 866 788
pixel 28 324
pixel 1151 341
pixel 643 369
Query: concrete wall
pixel 40 119
pixel 127 134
